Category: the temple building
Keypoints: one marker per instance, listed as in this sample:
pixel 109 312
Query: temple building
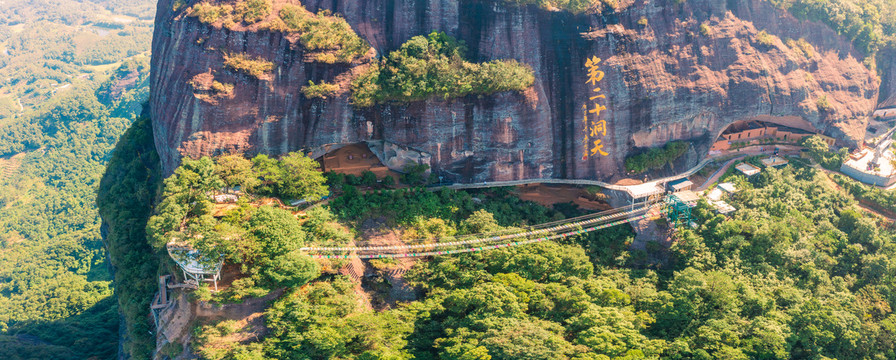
pixel 754 132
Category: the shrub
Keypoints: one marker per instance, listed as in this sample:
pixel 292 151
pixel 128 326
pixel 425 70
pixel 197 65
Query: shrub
pixel 823 104
pixel 434 66
pixel 324 32
pixel 319 91
pixel 177 5
pixel 642 21
pixel 222 88
pixel 801 47
pixel 765 39
pixel 705 29
pixel 255 67
pixel 656 158
pixel 208 13
pixel 252 11
pixel 413 174
pixel 368 178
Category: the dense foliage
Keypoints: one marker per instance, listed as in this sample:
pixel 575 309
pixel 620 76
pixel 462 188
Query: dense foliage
pixel 867 23
pixel 324 320
pixel 127 191
pixel 49 47
pixel 796 273
pixel 656 158
pixel 72 79
pixel 435 65
pixel 53 273
pixel 822 154
pixel 884 199
pixel 264 240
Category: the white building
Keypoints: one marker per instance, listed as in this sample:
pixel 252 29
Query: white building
pixel 873 167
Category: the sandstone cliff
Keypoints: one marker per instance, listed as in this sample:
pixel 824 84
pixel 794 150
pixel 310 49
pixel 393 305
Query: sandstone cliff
pixel 666 78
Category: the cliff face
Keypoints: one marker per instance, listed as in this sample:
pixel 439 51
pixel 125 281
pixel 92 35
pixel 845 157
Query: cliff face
pixel 665 79
pixel 888 78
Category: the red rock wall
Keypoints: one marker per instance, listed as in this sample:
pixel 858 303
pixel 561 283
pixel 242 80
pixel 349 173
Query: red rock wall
pixel 664 81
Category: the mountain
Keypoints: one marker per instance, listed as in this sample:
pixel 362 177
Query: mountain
pixel 672 71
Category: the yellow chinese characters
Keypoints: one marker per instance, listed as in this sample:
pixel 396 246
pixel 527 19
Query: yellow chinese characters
pixel 595 128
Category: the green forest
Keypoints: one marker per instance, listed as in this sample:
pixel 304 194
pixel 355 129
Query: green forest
pixel 46 53
pixel 798 272
pixel 74 76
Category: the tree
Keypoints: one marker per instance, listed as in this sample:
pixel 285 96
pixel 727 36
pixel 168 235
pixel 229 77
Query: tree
pixel 388 180
pixel 292 269
pixel 185 201
pixel 270 175
pixel 302 178
pixel 821 152
pixel 368 178
pixel 480 221
pixel 276 230
pixel 235 170
pixel 413 174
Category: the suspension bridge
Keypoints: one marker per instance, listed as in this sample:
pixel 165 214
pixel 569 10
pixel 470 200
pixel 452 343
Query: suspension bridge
pixel 670 206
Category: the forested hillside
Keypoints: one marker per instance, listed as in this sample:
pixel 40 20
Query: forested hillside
pixel 870 24
pixel 798 272
pixel 73 76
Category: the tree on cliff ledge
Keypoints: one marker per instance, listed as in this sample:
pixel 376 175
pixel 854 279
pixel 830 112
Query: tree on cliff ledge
pixel 302 178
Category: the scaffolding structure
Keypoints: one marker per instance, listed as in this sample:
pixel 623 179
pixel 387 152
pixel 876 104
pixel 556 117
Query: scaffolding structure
pixel 678 211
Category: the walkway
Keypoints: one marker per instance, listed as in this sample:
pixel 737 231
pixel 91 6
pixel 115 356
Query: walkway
pixel 721 171
pixel 482 242
pixel 602 184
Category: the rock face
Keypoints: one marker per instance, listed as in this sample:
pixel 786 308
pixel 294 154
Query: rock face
pixel 666 78
pixel 888 79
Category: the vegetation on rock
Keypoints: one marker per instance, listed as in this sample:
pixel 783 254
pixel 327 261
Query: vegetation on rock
pixel 331 38
pixel 656 158
pixel 125 197
pixel 867 23
pixel 319 91
pixel 801 47
pixel 331 35
pixel 573 6
pixel 765 39
pixel 434 65
pixel 245 11
pixel 245 63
